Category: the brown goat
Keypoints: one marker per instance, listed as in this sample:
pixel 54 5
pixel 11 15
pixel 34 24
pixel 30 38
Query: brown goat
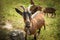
pixel 33 8
pixel 37 22
pixel 49 10
pixel 32 22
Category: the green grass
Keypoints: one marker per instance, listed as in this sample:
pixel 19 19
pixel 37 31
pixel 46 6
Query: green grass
pixel 7 12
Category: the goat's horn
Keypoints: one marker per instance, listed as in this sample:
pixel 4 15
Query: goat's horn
pixel 23 7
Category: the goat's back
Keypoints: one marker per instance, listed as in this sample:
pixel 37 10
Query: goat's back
pixel 49 10
pixel 37 21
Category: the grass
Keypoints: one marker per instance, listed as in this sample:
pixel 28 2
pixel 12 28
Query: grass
pixel 7 12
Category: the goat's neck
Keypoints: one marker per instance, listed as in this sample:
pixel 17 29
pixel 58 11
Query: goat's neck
pixel 36 13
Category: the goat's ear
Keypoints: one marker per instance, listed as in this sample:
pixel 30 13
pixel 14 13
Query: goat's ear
pixel 18 11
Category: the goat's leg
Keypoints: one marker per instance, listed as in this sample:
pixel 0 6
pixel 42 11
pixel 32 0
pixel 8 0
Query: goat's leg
pixel 35 37
pixel 39 31
pixel 47 14
pixel 54 14
pixel 25 36
pixel 44 27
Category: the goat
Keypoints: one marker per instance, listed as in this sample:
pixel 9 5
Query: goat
pixel 32 22
pixel 49 10
pixel 33 8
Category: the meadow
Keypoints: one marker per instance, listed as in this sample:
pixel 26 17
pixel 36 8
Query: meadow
pixel 7 12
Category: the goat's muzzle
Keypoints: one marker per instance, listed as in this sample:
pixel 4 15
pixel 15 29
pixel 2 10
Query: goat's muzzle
pixel 27 24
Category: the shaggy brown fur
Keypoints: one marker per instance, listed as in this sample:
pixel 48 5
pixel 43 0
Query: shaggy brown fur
pixel 37 22
pixel 33 8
